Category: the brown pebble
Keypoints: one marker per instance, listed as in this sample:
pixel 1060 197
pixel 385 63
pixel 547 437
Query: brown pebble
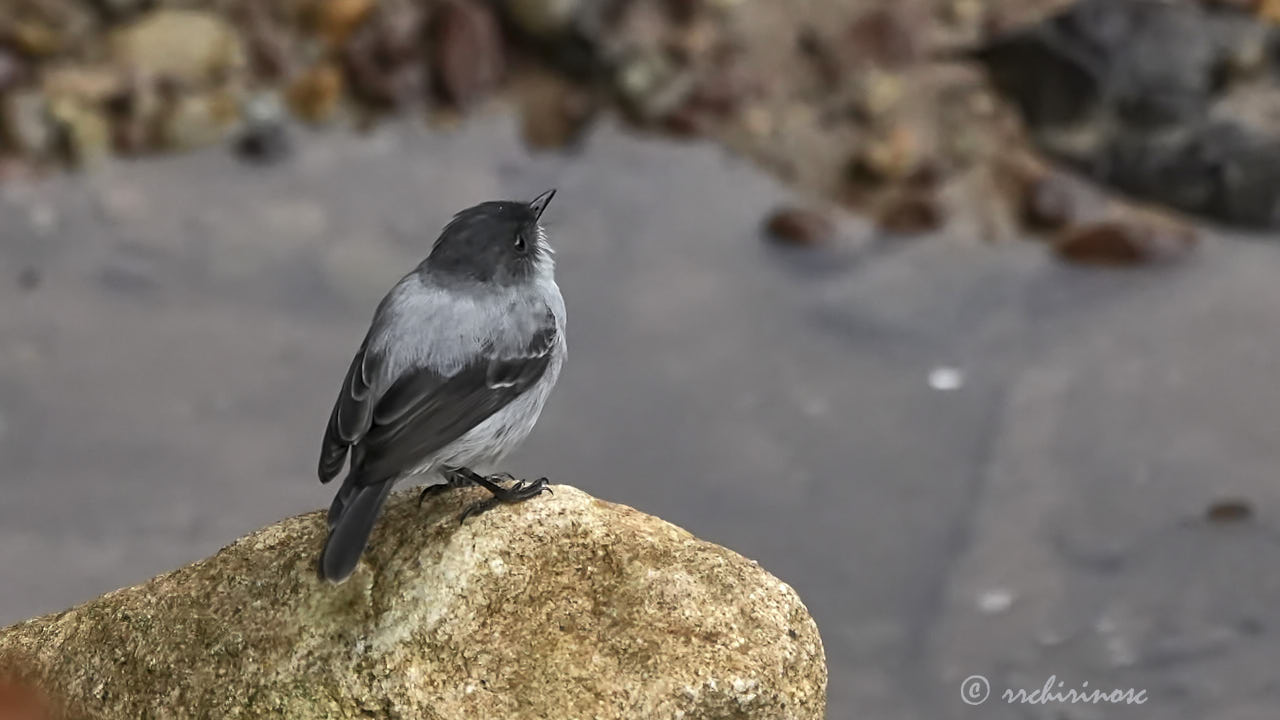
pixel 1124 242
pixel 883 37
pixel 683 11
pixel 12 70
pixel 315 95
pixel 267 43
pixel 383 56
pixel 1224 512
pixel 555 112
pixel 799 227
pixel 894 155
pixel 337 19
pixel 821 56
pixel 467 52
pixel 926 177
pixel 909 213
pixel 724 86
pixel 685 122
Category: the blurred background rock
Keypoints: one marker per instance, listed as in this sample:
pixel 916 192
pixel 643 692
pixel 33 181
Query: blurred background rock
pixel 953 313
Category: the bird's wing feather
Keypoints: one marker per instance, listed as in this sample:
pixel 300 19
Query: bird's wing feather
pixel 423 411
pixel 352 412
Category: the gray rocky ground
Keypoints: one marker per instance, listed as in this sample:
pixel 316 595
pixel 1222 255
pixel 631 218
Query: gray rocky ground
pixel 967 459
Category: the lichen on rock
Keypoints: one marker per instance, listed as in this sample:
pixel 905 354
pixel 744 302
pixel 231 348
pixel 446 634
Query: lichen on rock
pixel 562 607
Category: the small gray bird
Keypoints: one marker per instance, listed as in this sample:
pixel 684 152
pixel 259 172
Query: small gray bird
pixel 452 375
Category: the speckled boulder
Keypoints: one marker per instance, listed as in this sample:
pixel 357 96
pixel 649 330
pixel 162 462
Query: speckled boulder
pixel 563 607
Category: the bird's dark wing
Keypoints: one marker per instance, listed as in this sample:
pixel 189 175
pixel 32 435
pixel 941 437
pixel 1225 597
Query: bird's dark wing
pixel 423 411
pixel 352 412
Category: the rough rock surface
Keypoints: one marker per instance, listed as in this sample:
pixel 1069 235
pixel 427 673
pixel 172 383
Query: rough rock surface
pixel 562 607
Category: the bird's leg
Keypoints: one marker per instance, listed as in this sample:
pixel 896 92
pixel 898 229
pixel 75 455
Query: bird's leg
pixel 454 477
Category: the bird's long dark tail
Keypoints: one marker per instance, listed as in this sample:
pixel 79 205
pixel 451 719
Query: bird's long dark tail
pixel 351 519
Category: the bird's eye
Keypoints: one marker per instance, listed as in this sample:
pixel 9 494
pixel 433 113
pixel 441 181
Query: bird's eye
pixel 520 243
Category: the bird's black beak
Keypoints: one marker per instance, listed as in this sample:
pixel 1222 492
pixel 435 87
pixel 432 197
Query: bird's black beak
pixel 540 203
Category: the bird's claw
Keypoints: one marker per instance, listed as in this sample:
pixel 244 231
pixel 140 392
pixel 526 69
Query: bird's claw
pixel 521 491
pixel 430 490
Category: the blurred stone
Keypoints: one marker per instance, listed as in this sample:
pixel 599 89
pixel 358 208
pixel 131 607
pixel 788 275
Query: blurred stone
pixel 684 11
pixel 825 60
pixel 114 11
pixel 966 15
pixel 878 92
pixel 567 607
pixel 910 212
pixel 1218 169
pixel 697 38
pixel 264 142
pixel 1049 201
pixel 190 46
pixel 12 70
pixel 1146 97
pixel 542 18
pixel 799 226
pixel 33 37
pixel 384 56
pixel 196 120
pixel 82 133
pixel 314 96
pixel 555 111
pixel 686 122
pixel 637 28
pixel 337 19
pixel 1245 5
pixel 25 125
pixel 758 120
pixel 135 114
pixel 265 42
pixel 1125 242
pixel 92 83
pixel 264 138
pixel 723 86
pixel 884 37
pixel 467 56
pixel 652 85
pixel 1152 63
pixel 887 157
pixel 1225 512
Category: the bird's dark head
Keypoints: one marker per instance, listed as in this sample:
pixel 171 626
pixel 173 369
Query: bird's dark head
pixel 497 242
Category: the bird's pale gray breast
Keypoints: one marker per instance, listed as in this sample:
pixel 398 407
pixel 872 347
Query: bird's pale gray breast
pixel 444 329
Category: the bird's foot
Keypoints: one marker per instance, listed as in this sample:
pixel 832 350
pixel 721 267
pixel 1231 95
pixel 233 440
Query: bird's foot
pixel 521 491
pixel 457 476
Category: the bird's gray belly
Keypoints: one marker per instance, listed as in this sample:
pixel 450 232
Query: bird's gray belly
pixel 485 445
